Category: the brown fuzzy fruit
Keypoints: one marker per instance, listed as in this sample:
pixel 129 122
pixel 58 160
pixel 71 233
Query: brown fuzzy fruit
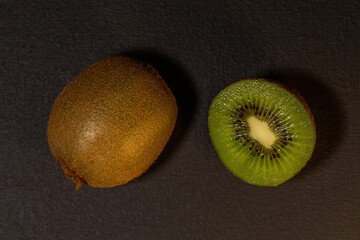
pixel 111 122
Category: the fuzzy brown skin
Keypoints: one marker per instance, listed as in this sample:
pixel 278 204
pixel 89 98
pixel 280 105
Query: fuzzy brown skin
pixel 111 122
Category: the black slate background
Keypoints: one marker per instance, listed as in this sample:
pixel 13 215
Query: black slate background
pixel 199 47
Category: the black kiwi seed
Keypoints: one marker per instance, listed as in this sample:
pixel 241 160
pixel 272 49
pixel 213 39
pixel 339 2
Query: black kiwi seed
pixel 272 118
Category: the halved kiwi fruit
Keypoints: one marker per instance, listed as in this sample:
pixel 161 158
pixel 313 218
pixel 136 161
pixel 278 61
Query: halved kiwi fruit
pixel 263 133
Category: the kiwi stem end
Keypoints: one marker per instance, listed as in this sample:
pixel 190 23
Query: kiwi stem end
pixel 70 174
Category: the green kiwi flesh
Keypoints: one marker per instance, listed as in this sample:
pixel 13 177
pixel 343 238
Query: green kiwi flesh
pixel 262 133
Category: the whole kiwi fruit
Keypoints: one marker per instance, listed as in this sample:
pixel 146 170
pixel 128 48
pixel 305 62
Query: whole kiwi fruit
pixel 263 133
pixel 111 122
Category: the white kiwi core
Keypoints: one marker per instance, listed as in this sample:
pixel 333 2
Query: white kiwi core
pixel 261 132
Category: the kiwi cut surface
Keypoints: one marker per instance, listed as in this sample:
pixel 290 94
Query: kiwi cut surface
pixel 111 122
pixel 262 133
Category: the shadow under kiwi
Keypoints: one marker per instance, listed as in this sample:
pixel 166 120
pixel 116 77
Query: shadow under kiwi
pixel 179 81
pixel 326 108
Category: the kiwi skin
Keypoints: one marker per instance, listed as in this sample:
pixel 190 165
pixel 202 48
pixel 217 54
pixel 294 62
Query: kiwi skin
pixel 298 96
pixel 111 122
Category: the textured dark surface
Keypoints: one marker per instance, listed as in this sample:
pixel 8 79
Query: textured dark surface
pixel 199 48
